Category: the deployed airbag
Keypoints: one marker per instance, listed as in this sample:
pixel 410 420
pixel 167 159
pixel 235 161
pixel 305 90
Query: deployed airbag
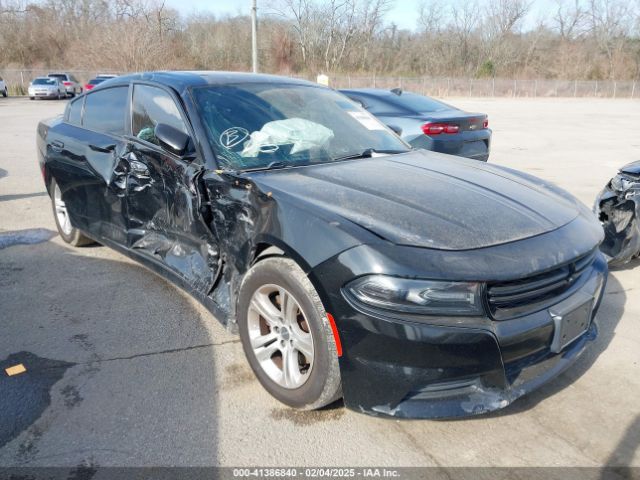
pixel 303 134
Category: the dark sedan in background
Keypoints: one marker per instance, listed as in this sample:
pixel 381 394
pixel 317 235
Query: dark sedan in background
pixel 411 283
pixel 427 123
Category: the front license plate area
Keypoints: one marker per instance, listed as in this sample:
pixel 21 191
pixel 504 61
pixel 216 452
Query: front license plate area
pixel 570 324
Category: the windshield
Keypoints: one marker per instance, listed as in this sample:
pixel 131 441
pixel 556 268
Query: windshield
pixel 44 81
pixel 257 125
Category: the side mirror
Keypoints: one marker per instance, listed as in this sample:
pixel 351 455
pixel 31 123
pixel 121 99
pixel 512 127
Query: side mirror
pixel 172 139
pixel 396 129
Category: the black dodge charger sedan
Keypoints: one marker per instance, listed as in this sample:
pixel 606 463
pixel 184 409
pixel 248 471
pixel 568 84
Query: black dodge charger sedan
pixel 410 283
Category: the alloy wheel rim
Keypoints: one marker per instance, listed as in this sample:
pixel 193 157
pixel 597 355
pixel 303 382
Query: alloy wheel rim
pixel 61 211
pixel 280 336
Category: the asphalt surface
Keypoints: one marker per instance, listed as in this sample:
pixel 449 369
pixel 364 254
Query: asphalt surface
pixel 125 369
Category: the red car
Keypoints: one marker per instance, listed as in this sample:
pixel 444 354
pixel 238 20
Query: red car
pixel 93 82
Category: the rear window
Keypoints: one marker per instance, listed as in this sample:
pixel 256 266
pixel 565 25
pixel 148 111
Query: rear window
pixel 104 110
pixel 415 103
pixel 96 81
pixel 75 111
pixel 44 81
pixel 61 76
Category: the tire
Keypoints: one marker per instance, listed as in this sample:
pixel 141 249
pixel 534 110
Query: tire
pixel 315 378
pixel 5 94
pixel 32 98
pixel 68 233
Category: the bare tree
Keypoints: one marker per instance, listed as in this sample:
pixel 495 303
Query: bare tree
pixel 610 22
pixel 598 39
pixel 570 21
pixel 431 16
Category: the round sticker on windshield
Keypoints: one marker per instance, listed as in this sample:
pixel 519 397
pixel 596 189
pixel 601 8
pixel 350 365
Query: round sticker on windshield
pixel 233 136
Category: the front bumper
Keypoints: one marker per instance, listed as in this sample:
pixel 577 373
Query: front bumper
pixel 43 94
pixel 406 369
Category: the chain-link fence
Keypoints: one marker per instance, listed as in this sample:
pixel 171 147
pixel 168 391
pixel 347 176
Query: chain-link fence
pixel 492 87
pixel 18 82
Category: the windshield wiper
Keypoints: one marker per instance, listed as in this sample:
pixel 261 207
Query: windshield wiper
pixel 270 166
pixel 368 153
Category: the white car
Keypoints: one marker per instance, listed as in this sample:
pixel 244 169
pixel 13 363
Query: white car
pixel 3 88
pixel 46 87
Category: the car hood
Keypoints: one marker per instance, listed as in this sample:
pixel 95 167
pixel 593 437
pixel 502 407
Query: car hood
pixel 426 199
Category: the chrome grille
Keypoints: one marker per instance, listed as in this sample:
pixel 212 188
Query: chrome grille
pixel 519 297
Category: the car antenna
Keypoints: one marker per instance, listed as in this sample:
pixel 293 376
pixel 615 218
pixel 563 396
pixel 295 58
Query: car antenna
pixel 397 91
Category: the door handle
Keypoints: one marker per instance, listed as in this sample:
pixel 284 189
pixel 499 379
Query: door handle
pixel 103 148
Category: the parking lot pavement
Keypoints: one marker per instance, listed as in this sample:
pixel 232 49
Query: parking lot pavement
pixel 125 369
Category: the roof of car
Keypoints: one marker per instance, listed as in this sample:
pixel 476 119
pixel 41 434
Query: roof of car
pixel 184 79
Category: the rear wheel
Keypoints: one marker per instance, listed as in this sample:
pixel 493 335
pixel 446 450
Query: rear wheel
pixel 286 335
pixel 67 231
pixel 5 94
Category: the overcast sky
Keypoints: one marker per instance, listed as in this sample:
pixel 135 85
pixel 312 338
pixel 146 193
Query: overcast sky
pixel 403 14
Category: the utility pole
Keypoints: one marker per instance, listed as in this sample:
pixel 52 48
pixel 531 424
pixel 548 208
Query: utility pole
pixel 254 36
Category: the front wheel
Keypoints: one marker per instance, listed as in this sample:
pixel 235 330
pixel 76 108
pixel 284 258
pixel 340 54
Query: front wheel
pixel 286 335
pixel 5 94
pixel 67 231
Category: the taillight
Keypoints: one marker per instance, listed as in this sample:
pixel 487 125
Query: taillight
pixel 67 84
pixel 438 128
pixel 88 86
pixel 485 124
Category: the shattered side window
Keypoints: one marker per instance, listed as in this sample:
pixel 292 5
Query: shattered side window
pixel 151 106
pixel 255 125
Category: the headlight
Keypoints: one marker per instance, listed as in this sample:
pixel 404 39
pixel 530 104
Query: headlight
pixel 426 297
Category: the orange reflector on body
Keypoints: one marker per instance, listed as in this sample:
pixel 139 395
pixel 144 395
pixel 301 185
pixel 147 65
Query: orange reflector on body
pixel 336 335
pixel 15 370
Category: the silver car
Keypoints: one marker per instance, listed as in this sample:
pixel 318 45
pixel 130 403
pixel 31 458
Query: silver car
pixel 46 87
pixel 71 84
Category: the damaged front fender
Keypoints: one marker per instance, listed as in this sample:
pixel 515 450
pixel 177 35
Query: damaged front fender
pixel 247 216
